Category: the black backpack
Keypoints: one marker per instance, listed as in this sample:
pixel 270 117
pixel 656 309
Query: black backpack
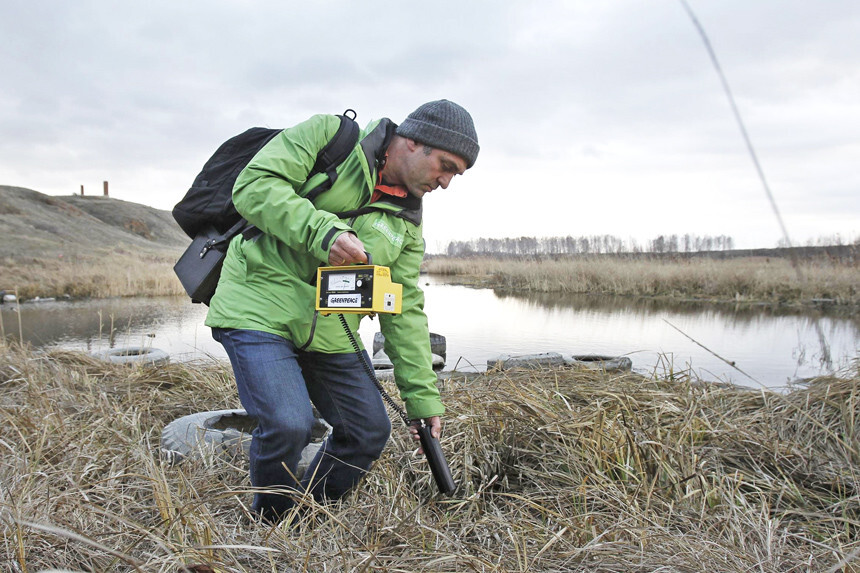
pixel 208 216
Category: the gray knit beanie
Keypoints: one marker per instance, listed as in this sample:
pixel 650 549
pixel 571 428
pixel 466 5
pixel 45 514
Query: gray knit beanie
pixel 445 125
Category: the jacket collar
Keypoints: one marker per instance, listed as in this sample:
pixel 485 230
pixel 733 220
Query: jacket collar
pixel 374 145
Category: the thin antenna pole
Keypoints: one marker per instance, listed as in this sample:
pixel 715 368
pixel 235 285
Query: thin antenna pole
pixel 740 121
pixel 792 255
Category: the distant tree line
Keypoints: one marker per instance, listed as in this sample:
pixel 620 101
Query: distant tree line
pixel 590 245
pixel 822 241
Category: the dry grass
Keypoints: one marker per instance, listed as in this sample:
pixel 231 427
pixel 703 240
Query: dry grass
pixel 561 470
pixel 114 273
pixel 118 272
pixel 740 279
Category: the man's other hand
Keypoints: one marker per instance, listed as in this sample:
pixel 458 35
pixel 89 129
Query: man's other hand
pixel 435 423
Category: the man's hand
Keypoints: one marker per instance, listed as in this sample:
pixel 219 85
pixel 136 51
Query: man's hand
pixel 435 423
pixel 346 250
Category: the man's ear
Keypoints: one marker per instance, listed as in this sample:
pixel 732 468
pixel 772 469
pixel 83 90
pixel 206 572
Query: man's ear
pixel 411 144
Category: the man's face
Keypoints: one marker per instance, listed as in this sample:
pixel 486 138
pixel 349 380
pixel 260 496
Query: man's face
pixel 427 168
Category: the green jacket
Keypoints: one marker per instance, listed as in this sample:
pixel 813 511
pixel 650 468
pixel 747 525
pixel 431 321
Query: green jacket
pixel 266 282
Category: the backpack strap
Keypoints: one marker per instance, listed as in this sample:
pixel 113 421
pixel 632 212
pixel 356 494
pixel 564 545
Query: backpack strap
pixel 250 231
pixel 410 209
pixel 334 153
pixel 357 212
pixel 221 241
pixel 329 158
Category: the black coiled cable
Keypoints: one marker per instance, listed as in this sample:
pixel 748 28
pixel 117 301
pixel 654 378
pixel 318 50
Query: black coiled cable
pixel 368 368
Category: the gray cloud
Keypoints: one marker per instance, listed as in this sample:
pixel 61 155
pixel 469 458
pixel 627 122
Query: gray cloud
pixel 579 105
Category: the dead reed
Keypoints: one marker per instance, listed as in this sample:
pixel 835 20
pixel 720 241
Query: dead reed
pixel 114 273
pixel 560 470
pixel 751 279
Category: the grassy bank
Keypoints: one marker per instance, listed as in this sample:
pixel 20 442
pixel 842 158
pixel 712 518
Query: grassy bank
pixel 561 470
pixel 113 273
pixel 752 279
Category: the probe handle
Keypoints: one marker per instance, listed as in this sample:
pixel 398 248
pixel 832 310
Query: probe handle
pixel 436 459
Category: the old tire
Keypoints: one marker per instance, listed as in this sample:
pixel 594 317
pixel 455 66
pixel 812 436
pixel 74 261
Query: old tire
pixel 603 363
pixel 438 344
pixel 134 355
pixel 226 432
pixel 381 361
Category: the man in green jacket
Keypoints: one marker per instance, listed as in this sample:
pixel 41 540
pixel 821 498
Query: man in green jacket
pixel 284 355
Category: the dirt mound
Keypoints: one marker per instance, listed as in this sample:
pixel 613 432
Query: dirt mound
pixel 33 224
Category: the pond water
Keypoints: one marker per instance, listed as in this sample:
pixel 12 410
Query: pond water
pixel 768 347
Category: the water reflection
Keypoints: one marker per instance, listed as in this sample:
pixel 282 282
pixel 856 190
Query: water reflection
pixel 768 345
pixel 172 324
pixel 734 312
pixel 748 320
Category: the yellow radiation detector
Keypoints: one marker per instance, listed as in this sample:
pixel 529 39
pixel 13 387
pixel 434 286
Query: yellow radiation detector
pixel 357 289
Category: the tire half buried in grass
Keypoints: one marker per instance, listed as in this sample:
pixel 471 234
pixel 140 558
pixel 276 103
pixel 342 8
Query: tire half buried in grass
pixel 603 363
pixel 228 433
pixel 134 355
pixel 438 344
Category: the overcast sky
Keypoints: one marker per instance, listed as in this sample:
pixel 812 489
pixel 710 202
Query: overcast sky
pixel 593 117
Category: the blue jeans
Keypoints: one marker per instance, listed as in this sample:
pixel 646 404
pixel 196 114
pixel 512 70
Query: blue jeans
pixel 277 384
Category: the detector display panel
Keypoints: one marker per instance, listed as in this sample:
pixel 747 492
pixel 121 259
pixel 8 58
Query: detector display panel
pixel 357 289
pixel 338 281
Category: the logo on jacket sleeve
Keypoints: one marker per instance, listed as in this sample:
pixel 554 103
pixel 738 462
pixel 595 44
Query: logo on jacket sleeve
pixel 393 237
